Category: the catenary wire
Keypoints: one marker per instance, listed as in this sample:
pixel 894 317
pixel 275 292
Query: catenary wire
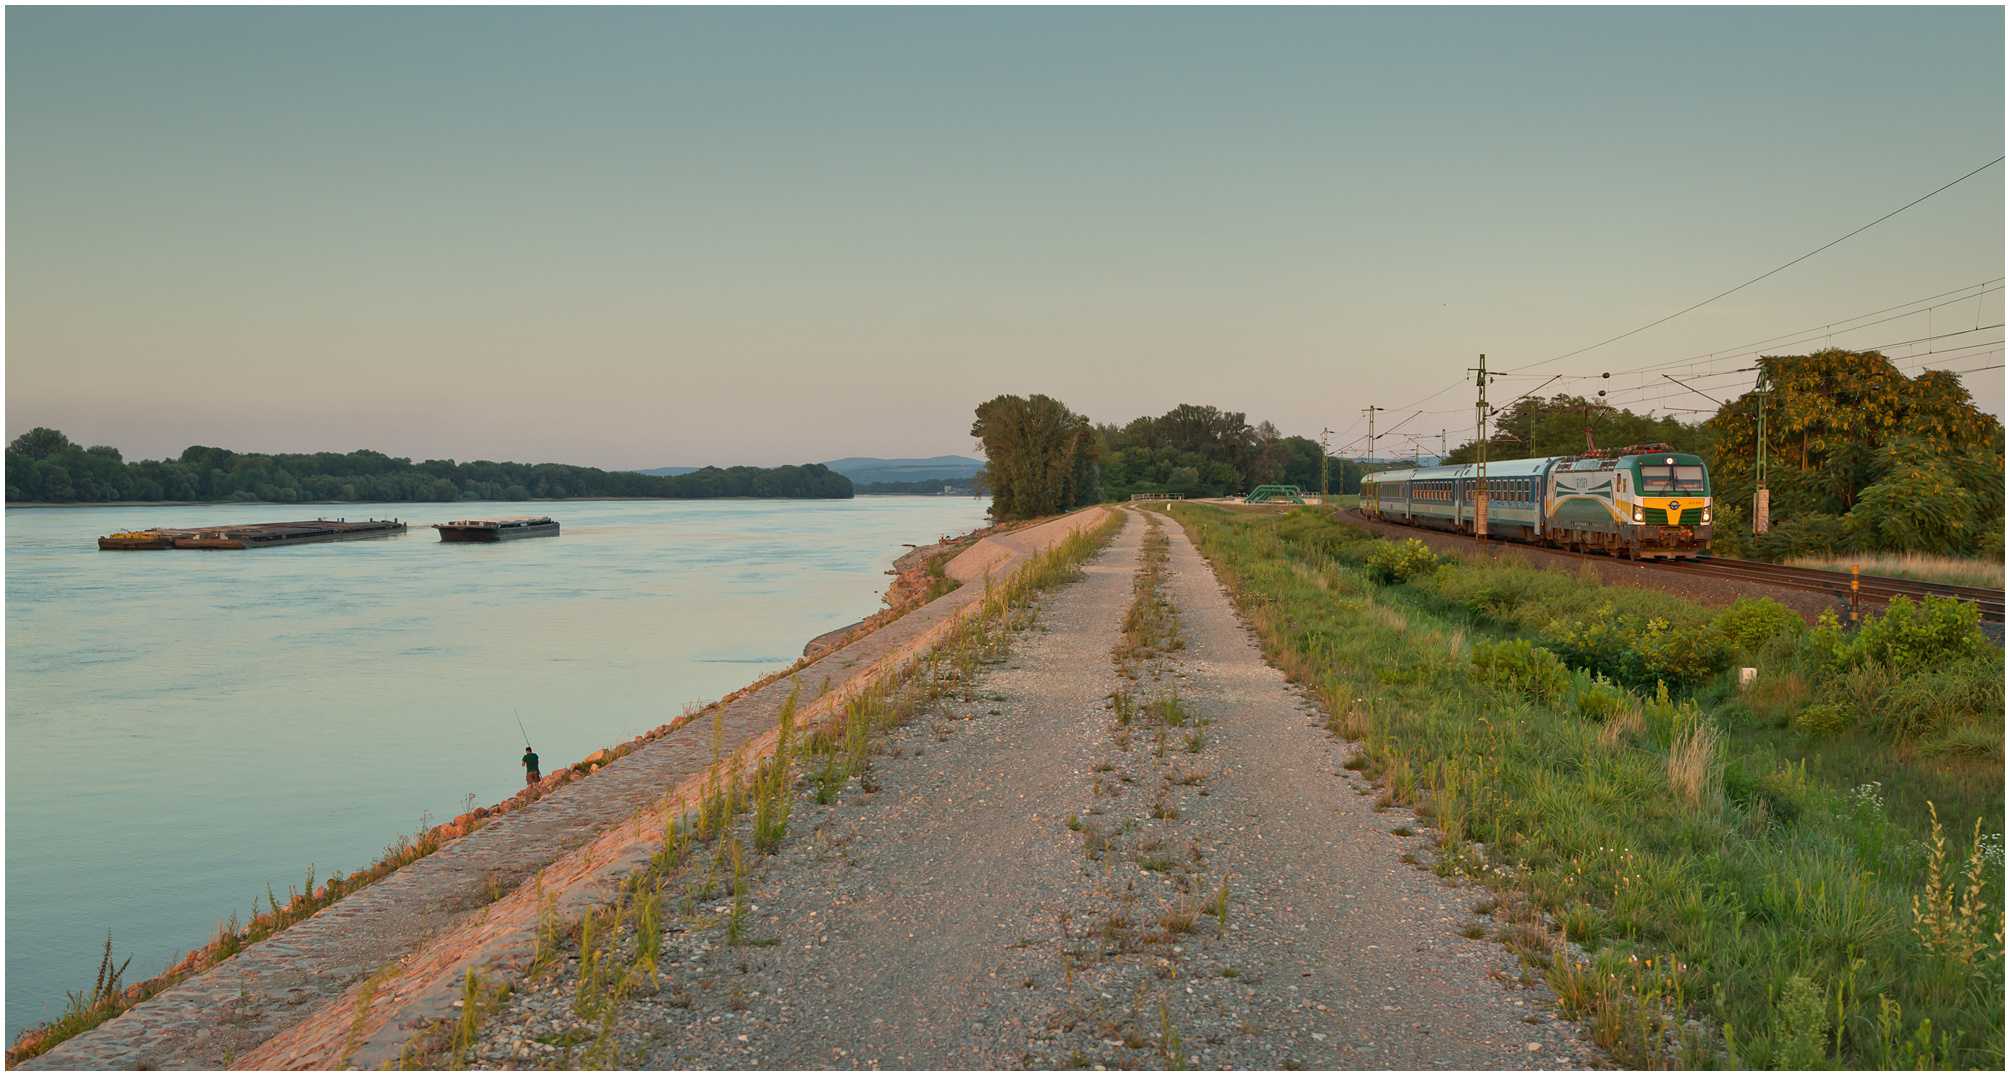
pixel 1763 275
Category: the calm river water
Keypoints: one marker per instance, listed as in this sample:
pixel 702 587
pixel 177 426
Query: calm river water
pixel 184 728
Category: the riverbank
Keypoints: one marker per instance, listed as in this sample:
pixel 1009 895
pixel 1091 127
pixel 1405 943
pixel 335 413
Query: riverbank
pixel 328 695
pixel 273 983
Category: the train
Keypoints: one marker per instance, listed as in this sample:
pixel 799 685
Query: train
pixel 1645 502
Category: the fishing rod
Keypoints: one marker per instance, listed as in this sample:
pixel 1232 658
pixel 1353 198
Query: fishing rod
pixel 520 728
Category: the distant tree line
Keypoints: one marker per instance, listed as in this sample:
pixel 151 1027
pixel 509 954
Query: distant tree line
pixel 43 465
pixel 1566 425
pixel 1042 458
pixel 1862 458
pixel 1200 451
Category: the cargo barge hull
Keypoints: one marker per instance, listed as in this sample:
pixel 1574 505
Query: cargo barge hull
pixel 497 530
pixel 253 535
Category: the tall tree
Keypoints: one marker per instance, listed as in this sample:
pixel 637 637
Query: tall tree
pixel 1829 415
pixel 1859 453
pixel 1039 456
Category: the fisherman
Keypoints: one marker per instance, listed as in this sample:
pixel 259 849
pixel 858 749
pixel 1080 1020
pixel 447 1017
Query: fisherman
pixel 530 774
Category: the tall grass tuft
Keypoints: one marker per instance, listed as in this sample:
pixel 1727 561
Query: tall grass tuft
pixel 1693 764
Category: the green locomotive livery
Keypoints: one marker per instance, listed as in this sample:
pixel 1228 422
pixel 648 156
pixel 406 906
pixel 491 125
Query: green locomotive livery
pixel 1645 501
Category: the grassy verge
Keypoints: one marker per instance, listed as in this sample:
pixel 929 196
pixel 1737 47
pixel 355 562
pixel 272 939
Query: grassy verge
pixel 1961 571
pixel 1699 865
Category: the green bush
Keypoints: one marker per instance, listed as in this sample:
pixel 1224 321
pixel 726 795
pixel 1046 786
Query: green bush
pixel 1601 701
pixel 1941 698
pixel 1522 668
pixel 1823 718
pixel 1637 651
pixel 1750 622
pixel 1911 636
pixel 1399 562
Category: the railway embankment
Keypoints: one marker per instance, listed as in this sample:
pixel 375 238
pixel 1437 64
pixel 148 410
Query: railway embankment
pixel 1610 571
pixel 457 884
pixel 1737 857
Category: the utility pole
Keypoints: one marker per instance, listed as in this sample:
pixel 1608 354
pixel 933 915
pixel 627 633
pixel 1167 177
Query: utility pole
pixel 1370 412
pixel 1441 447
pixel 1480 483
pixel 1762 498
pixel 1323 435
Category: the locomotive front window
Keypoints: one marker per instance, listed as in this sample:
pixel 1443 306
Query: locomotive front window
pixel 1680 478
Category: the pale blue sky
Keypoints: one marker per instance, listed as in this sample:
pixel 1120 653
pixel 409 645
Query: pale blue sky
pixel 639 237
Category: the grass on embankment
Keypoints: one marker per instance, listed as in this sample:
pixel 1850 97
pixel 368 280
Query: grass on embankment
pixel 1961 571
pixel 1680 838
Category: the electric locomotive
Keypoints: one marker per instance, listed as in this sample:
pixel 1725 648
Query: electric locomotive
pixel 1644 501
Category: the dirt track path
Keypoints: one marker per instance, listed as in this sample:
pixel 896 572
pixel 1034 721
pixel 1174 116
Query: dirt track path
pixel 954 919
pixel 1378 974
pixel 900 928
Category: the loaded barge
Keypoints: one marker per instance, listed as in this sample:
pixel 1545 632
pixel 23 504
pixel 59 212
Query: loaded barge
pixel 252 535
pixel 497 530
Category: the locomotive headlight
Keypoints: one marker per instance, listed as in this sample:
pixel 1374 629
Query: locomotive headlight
pixel 1706 513
pixel 1638 515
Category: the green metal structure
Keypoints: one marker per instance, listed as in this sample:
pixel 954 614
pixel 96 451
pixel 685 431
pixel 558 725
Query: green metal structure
pixel 1275 495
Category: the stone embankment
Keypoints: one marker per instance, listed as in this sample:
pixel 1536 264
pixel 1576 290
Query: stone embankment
pixel 908 591
pixel 342 986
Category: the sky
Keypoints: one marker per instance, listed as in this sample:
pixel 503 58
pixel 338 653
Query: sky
pixel 632 238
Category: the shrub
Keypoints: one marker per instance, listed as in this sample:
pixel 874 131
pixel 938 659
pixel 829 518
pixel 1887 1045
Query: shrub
pixel 1638 650
pixel 1601 701
pixel 1921 705
pixel 1823 718
pixel 1750 622
pixel 1399 562
pixel 1908 635
pixel 1801 1025
pixel 1521 667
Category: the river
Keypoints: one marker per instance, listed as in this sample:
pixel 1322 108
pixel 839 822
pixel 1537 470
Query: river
pixel 185 728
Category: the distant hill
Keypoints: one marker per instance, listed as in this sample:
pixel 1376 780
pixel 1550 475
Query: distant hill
pixel 863 469
pixel 667 471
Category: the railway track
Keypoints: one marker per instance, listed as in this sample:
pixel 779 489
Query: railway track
pixel 1872 589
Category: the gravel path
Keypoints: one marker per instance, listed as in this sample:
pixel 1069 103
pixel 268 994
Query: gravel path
pixel 1026 889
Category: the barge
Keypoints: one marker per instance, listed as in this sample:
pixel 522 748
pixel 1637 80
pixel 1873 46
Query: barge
pixel 497 530
pixel 154 538
pixel 252 535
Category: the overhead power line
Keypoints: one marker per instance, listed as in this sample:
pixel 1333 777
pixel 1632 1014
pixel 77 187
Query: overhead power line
pixel 1850 324
pixel 1767 273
